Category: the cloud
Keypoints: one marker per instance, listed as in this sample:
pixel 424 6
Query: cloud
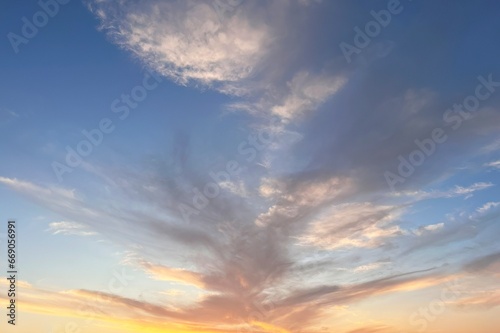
pixel 369 267
pixel 238 51
pixel 188 40
pixel 294 199
pixel 466 191
pixel 353 225
pixel 7 116
pixel 21 283
pixel 183 276
pixel 69 228
pixel 28 188
pixel 483 300
pixel 489 263
pixel 245 265
pixel 459 227
pixel 338 295
pixel 490 148
pixel 487 207
pixel 306 93
pixel 428 228
pixel 173 292
pixel 459 190
pixel 97 307
pixel 236 187
pixel 494 164
pixel 373 329
pixel 270 327
pixel 321 188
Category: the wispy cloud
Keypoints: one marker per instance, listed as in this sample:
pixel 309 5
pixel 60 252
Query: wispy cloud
pixel 458 190
pixel 494 164
pixel 70 228
pixel 183 276
pixel 428 228
pixel 374 329
pixel 306 93
pixel 487 206
pixel 482 300
pixel 354 225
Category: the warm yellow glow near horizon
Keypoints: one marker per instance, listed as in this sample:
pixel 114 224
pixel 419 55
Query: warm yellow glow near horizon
pixel 388 311
pixel 114 324
pixel 269 327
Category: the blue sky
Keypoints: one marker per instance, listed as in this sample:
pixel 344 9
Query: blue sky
pixel 259 167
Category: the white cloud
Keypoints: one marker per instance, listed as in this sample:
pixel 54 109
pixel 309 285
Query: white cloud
pixel 457 191
pixel 369 267
pixel 487 206
pixel 494 164
pixel 269 187
pixel 362 225
pixel 306 195
pixel 187 40
pixel 29 188
pixel 492 147
pixel 306 93
pixel 428 228
pixel 236 187
pixel 69 228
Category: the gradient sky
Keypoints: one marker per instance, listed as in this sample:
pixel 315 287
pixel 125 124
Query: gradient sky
pixel 254 186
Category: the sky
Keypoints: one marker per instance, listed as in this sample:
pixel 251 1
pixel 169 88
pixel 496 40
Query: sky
pixel 257 166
